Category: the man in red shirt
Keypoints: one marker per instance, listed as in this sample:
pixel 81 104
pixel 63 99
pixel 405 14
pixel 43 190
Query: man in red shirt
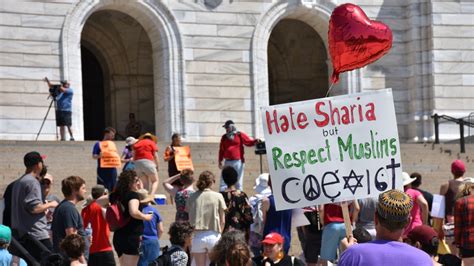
pixel 231 149
pixel 100 252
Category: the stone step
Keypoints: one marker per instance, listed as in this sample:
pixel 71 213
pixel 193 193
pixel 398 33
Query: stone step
pixel 67 158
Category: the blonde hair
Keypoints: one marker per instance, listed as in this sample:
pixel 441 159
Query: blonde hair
pixel 464 190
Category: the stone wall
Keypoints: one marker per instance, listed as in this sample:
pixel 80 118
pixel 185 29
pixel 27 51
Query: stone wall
pixel 30 36
pixel 210 63
pixel 452 40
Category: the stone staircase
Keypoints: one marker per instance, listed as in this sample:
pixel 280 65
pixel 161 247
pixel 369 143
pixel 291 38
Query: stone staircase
pixel 75 158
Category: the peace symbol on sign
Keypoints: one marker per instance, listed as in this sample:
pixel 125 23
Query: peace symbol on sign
pixel 311 188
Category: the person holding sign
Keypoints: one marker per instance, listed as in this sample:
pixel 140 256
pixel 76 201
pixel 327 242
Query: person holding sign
pixel 391 217
pixel 105 152
pixel 146 162
pixel 231 150
pixel 169 155
pixel 276 221
pixel 334 229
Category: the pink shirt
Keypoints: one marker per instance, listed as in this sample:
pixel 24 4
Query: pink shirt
pixel 415 212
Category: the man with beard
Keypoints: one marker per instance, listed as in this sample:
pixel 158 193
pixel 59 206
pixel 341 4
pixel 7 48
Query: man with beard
pixel 66 219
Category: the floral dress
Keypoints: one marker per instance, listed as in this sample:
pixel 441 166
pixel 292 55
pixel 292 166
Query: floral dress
pixel 180 201
pixel 238 215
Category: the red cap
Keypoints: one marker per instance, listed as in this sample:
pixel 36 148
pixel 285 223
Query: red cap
pixel 423 234
pixel 273 238
pixel 458 168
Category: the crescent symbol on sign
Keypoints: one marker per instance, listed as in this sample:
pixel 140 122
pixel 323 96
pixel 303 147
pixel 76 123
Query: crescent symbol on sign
pixel 283 190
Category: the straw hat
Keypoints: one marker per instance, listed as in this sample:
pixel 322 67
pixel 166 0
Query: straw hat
pixel 144 197
pixel 148 135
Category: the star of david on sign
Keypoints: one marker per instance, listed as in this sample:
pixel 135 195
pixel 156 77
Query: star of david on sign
pixel 351 176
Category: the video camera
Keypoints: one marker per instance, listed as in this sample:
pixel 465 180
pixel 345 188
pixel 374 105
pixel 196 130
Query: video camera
pixel 260 148
pixel 54 90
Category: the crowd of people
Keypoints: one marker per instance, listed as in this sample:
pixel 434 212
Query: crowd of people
pixel 220 228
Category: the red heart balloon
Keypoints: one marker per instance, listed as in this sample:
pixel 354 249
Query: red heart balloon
pixel 355 40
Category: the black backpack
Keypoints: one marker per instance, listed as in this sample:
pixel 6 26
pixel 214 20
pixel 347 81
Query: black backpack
pixel 165 258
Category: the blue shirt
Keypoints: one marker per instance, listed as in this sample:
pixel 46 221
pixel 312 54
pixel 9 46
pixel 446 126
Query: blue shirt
pixel 278 222
pixel 65 216
pixel 6 258
pixel 150 231
pixel 64 100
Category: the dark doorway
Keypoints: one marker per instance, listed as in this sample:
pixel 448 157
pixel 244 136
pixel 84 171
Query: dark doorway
pixel 92 96
pixel 297 67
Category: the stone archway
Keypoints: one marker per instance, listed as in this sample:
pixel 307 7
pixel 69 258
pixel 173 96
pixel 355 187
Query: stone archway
pixel 297 68
pixel 125 49
pixel 317 17
pixel 167 56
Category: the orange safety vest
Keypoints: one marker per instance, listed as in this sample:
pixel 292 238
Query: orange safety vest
pixel 109 157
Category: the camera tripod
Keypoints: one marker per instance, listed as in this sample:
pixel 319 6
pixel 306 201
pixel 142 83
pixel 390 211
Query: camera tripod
pixel 53 101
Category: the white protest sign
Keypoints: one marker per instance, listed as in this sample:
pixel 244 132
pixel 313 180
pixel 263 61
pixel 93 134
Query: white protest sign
pixel 438 206
pixel 332 149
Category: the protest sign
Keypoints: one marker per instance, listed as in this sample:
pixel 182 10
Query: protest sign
pixel 332 149
pixel 109 157
pixel 182 157
pixel 438 206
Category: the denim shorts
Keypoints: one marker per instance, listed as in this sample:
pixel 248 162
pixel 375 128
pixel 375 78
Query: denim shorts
pixel 333 233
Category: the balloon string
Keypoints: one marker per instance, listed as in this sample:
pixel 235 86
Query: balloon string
pixel 329 90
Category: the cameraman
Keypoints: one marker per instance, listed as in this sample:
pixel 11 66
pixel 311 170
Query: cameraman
pixel 64 106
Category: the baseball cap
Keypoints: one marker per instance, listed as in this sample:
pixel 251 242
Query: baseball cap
pixel 49 177
pixel 458 168
pixel 130 140
pixel 227 123
pixel 423 234
pixel 273 238
pixel 33 158
pixel 5 234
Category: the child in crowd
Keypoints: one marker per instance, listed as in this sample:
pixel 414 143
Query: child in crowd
pixel 74 246
pixel 150 246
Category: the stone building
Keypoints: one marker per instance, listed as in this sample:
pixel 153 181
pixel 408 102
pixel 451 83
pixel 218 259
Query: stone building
pixel 188 65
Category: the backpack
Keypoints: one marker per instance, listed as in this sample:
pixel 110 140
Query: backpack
pixel 165 258
pixel 115 216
